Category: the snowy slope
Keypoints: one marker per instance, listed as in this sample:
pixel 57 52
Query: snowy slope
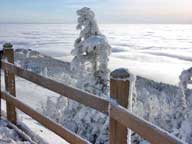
pixel 157 102
pixel 160 104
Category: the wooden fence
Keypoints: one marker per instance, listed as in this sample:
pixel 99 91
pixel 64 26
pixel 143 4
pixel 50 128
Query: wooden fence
pixel 116 107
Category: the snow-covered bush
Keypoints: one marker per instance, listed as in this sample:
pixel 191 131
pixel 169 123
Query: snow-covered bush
pixel 160 104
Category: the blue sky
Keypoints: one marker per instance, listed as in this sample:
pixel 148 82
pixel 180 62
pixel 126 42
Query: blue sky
pixel 107 11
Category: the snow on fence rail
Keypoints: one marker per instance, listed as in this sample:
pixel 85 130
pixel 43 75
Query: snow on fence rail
pixel 120 118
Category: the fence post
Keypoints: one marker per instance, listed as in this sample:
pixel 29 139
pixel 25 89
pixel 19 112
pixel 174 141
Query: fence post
pixel 8 54
pixel 1 54
pixel 120 91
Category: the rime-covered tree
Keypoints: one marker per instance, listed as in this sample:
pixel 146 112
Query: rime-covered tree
pixel 89 67
pixel 91 55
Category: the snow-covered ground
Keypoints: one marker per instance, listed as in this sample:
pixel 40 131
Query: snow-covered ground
pixel 9 135
pixel 34 96
pixel 158 52
pixel 155 102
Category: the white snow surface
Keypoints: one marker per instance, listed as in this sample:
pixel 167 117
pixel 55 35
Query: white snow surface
pixel 9 135
pixel 155 51
pixel 34 96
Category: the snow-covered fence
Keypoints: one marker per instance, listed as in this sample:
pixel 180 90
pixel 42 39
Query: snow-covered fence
pixel 115 107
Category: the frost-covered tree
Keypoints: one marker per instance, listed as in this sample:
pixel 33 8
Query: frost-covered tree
pixel 90 66
pixel 185 79
pixel 90 72
pixel 91 55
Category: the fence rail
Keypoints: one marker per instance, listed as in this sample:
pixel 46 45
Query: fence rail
pixel 85 98
pixel 145 129
pixel 51 125
pixel 120 117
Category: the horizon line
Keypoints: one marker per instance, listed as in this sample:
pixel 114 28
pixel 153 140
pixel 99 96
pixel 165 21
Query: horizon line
pixel 99 23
